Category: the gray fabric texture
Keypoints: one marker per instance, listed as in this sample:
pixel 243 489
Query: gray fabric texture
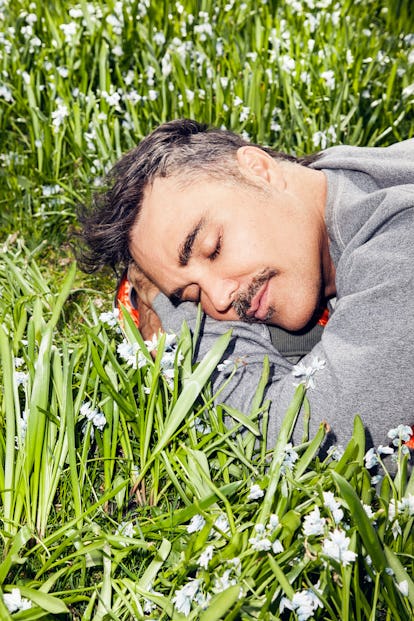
pixel 367 347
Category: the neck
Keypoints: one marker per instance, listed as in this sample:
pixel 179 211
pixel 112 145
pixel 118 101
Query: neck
pixel 310 187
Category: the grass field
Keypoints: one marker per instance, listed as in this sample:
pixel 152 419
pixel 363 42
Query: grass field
pixel 122 493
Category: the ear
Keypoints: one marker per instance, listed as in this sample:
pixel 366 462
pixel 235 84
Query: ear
pixel 259 165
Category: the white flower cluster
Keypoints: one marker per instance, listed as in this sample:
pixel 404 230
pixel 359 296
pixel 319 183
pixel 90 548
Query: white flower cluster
pixel 336 544
pixel 134 357
pixel 263 540
pixel 304 603
pixel 110 318
pixel 194 591
pixel 289 459
pixel 398 436
pixel 15 602
pixel 308 372
pixel 336 547
pixel 93 415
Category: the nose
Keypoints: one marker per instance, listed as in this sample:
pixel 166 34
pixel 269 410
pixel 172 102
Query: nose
pixel 220 292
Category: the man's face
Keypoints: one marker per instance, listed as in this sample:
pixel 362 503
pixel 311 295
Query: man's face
pixel 244 253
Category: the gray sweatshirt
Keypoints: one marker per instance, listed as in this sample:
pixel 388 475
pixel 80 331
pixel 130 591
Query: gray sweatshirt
pixel 364 362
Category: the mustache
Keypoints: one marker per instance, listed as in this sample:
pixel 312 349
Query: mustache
pixel 243 301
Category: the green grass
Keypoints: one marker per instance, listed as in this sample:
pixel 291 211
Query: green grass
pixel 95 525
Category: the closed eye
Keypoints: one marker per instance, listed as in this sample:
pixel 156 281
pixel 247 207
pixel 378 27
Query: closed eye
pixel 216 250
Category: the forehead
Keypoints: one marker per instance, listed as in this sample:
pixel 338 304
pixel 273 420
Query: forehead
pixel 172 204
pixel 168 210
pixel 172 207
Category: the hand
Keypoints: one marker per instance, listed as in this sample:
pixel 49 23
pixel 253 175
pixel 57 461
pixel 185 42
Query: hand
pixel 149 322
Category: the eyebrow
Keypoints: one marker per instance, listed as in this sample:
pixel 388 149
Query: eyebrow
pixel 186 248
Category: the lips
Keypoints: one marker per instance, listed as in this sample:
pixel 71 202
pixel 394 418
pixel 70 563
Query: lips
pixel 258 306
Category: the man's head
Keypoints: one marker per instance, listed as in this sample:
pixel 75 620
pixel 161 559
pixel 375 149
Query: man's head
pixel 207 216
pixel 183 148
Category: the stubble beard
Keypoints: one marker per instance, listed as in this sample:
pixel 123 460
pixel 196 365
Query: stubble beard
pixel 244 301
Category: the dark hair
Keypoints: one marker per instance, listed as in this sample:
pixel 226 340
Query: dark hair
pixel 183 147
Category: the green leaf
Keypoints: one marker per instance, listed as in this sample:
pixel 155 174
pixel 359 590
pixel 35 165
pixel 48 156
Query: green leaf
pixel 44 600
pixel 192 387
pixel 362 522
pixel 279 452
pixel 401 574
pixel 220 604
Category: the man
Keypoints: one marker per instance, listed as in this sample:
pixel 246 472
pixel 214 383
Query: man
pixel 259 237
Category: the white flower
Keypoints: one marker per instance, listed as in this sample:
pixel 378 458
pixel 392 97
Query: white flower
pixel 336 546
pixel 320 139
pixel 183 598
pixel 309 371
pixel 152 95
pixel 336 452
pixel 75 13
pixel 159 38
pixel 290 457
pixel 96 417
pixel 408 90
pixel 244 114
pixel 203 599
pixel 227 365
pixel 98 420
pixel 329 78
pixel 261 544
pixel 313 524
pixel 59 115
pixel 333 506
pixel 304 603
pixel 51 190
pixel 402 433
pixel 128 352
pixel 255 492
pixel 18 362
pixel 126 529
pixel 370 459
pixel 385 450
pixel 205 557
pixel 21 378
pixel 403 587
pixel 15 602
pixel 406 504
pixel 189 95
pixel 5 93
pixel 368 510
pixel 222 524
pixel 236 564
pixel 287 63
pixel 22 428
pixel 69 31
pixel 112 98
pixel 196 523
pixel 273 523
pixel 110 318
pixel 396 529
pixel 201 426
pixel 153 343
pixel 277 546
pixel 224 581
